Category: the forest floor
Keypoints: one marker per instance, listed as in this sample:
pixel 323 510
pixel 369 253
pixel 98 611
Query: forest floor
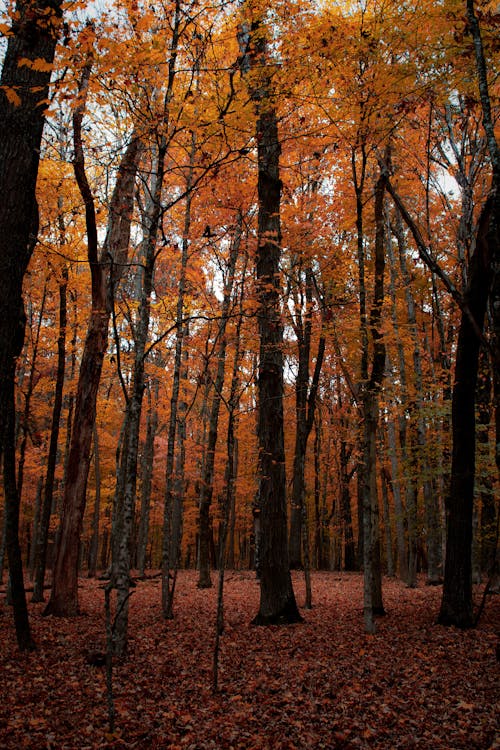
pixel 321 684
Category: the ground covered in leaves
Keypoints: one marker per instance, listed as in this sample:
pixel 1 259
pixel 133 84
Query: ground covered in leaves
pixel 322 684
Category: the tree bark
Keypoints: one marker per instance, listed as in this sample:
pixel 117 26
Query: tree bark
pixel 48 495
pixel 371 532
pixel 305 404
pixel 277 599
pixel 398 503
pixel 483 281
pixel 23 92
pixel 172 505
pixel 28 394
pixel 94 542
pixel 359 175
pixel 147 477
pixel 133 420
pixel 456 604
pixel 207 480
pixel 106 270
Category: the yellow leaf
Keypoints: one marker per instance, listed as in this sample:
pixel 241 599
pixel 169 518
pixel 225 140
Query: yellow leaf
pixel 39 64
pixel 12 96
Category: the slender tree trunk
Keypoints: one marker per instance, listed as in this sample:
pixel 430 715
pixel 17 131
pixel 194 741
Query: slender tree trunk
pixel 398 503
pixel 171 540
pixel 359 175
pixel 128 487
pixel 318 519
pixel 230 483
pixel 42 536
pixel 36 526
pixel 305 404
pixel 487 532
pixel 206 485
pixel 345 508
pixel 147 477
pixel 386 481
pixel 423 460
pixel 94 542
pixel 64 596
pixel 371 558
pixel 28 395
pixel 234 399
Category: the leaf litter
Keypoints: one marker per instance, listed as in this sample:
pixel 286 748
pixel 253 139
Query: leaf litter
pixel 322 684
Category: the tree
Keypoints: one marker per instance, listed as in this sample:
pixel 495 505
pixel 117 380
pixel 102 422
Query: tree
pixel 370 400
pixel 23 93
pixel 457 605
pixel 106 268
pixel 43 528
pixel 277 600
pixel 207 480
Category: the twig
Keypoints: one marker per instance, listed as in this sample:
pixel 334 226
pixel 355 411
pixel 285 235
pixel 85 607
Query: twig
pixel 109 660
pixel 110 631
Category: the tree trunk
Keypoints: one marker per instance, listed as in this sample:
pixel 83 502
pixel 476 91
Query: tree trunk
pixel 94 542
pixel 371 557
pixel 23 92
pixel 422 460
pixel 133 420
pixel 64 596
pixel 28 395
pixel 277 599
pixel 147 477
pixel 386 480
pixel 207 480
pixel 345 509
pixel 359 175
pixel 172 505
pixel 48 495
pixel 398 503
pixel 305 404
pixel 36 526
pixel 228 501
pixel 456 604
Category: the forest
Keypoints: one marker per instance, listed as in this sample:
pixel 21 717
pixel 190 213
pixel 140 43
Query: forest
pixel 249 347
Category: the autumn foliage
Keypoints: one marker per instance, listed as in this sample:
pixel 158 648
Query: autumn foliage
pixel 262 335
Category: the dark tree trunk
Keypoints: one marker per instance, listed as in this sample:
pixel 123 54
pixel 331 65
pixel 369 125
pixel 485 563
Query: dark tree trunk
pixel 28 394
pixel 207 481
pixel 371 545
pixel 483 278
pixel 94 541
pixel 147 477
pixel 345 509
pixel 305 404
pixel 23 91
pixel 456 604
pixel 36 526
pixel 43 530
pixel 487 535
pixel 172 507
pixel 359 175
pixel 277 599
